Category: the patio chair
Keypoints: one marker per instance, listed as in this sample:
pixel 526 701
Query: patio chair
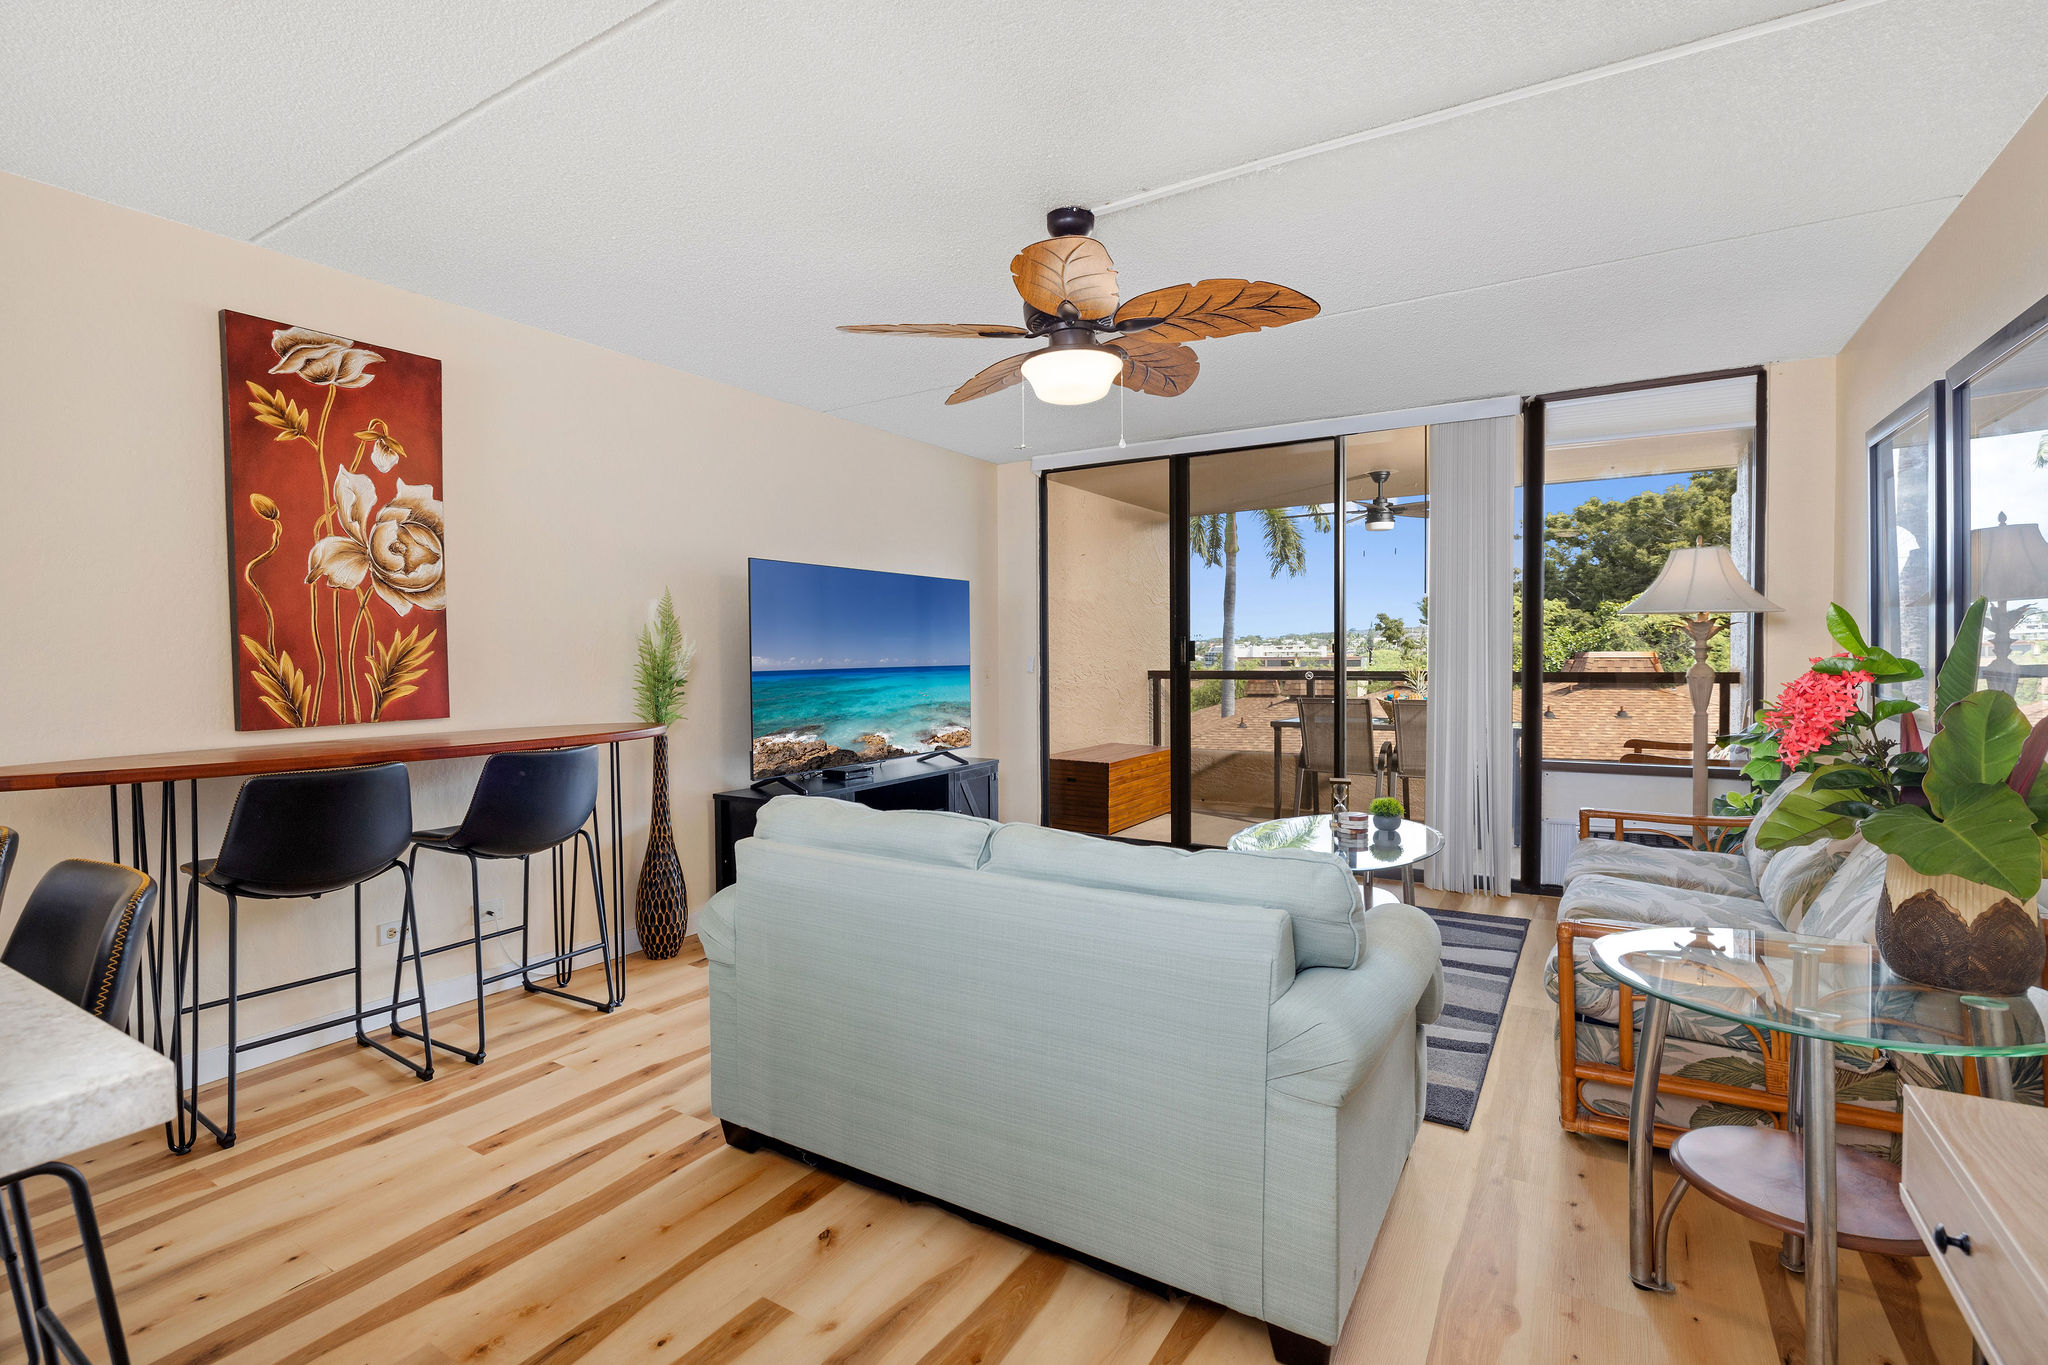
pixel 1405 757
pixel 1319 747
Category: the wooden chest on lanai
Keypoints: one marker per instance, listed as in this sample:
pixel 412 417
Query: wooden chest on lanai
pixel 1109 787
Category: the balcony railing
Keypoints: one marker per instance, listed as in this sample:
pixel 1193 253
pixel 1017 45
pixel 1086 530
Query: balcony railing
pixel 1646 751
pixel 1310 676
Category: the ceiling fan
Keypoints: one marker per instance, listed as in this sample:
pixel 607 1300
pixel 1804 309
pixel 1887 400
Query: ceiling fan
pixel 1069 288
pixel 1380 512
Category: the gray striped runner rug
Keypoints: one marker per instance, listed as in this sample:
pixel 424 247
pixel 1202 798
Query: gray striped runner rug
pixel 1480 954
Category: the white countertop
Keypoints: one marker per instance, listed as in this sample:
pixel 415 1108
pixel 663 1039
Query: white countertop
pixel 68 1081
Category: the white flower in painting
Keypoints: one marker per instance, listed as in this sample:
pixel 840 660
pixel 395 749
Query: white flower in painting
pixel 398 549
pixel 321 359
pixel 385 453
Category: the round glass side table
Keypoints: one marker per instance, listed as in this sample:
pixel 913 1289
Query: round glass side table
pixel 1823 992
pixel 1396 850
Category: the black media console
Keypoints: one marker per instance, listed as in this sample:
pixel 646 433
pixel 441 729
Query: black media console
pixel 898 784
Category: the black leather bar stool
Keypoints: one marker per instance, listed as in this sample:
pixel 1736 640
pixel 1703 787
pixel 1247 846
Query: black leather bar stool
pixel 526 803
pixel 79 936
pixel 296 835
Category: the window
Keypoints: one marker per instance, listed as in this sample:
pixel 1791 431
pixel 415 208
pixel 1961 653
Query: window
pixel 2001 480
pixel 1906 576
pixel 1627 478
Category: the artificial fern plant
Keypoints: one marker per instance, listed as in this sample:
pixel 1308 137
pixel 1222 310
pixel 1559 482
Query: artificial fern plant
pixel 662 674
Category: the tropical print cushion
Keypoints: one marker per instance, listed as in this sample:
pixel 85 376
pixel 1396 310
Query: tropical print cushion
pixel 1595 896
pixel 1846 907
pixel 1725 874
pixel 1795 877
pixel 1758 858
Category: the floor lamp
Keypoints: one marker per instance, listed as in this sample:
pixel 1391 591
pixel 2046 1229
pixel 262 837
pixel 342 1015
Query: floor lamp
pixel 1699 583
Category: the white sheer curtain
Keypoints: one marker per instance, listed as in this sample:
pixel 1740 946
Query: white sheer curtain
pixel 1469 794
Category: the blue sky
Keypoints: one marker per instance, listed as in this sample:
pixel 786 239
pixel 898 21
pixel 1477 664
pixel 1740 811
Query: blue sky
pixel 1385 573
pixel 813 616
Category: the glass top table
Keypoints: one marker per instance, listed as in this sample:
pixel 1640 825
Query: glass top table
pixel 1397 850
pixel 1819 988
pixel 1823 993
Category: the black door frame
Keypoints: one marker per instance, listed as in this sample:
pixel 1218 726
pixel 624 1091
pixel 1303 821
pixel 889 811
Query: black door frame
pixel 1181 645
pixel 1533 445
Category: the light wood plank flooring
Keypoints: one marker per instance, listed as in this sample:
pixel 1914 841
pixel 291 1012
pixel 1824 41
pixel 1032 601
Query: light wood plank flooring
pixel 571 1201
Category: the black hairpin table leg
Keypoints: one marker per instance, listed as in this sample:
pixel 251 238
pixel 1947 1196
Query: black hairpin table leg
pixel 48 1340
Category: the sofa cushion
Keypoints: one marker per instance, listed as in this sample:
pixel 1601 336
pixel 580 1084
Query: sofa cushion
pixel 1615 898
pixel 1317 892
pixel 1724 874
pixel 1797 875
pixel 939 837
pixel 1846 907
pixel 1759 858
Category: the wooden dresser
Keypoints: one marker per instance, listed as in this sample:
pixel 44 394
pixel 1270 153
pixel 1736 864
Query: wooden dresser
pixel 1108 787
pixel 1972 1186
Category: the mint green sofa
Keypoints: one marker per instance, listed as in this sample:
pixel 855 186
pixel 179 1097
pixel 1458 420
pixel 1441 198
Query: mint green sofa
pixel 1205 1069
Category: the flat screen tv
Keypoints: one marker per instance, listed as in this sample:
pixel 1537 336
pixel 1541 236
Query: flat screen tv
pixel 854 665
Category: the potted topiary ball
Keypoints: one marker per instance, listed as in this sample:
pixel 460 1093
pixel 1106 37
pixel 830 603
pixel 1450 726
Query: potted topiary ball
pixel 1387 813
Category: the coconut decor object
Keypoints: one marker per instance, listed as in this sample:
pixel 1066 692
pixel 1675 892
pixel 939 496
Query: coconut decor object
pixel 1958 934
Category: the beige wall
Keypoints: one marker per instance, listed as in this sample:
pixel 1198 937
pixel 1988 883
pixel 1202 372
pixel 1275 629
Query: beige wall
pixel 1016 628
pixel 578 483
pixel 1801 517
pixel 1109 617
pixel 1983 267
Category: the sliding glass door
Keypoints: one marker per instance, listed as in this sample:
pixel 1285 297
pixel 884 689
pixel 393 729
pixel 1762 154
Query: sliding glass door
pixel 1262 546
pixel 1616 479
pixel 1221 631
pixel 1109 635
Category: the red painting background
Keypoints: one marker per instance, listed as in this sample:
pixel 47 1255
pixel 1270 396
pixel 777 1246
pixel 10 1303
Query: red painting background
pixel 405 393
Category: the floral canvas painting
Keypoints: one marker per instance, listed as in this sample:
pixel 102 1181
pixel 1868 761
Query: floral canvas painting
pixel 336 557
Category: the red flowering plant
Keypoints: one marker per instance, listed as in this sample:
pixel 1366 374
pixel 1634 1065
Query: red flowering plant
pixel 1821 715
pixel 1972 802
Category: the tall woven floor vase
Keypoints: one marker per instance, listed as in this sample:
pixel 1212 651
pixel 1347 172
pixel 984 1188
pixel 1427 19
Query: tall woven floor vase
pixel 661 908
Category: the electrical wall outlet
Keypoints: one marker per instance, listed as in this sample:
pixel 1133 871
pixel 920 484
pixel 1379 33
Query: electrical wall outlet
pixel 387 934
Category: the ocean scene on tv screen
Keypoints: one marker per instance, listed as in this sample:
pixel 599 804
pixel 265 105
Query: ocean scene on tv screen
pixel 852 665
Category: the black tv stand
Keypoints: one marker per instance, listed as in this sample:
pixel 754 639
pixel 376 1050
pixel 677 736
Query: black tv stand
pixel 969 787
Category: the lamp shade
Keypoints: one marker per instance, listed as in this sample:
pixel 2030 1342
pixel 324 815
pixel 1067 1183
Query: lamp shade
pixel 2008 563
pixel 1699 578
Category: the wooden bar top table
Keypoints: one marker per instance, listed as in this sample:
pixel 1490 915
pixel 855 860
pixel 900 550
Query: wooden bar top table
pixel 362 745
pixel 69 1083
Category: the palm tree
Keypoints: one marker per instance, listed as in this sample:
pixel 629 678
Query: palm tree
pixel 1212 538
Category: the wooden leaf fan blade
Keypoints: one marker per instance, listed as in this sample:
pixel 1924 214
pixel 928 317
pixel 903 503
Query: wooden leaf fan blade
pixel 1217 308
pixel 994 379
pixel 1074 270
pixel 934 329
pixel 1160 368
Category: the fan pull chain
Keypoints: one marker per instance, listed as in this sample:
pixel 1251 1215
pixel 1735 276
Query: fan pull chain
pixel 1020 415
pixel 1120 392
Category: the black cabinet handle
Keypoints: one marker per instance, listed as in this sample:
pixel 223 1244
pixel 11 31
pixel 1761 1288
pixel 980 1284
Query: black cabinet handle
pixel 1943 1241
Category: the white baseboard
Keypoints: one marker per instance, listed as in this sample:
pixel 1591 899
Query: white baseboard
pixel 454 990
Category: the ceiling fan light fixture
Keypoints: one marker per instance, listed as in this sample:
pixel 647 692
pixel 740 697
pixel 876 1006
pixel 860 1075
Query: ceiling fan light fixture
pixel 1379 516
pixel 1072 375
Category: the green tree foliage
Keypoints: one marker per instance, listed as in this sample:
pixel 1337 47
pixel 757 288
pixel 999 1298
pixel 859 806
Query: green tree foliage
pixel 1602 551
pixel 1212 538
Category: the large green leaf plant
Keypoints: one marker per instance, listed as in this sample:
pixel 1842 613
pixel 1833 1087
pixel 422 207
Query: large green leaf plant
pixel 1973 803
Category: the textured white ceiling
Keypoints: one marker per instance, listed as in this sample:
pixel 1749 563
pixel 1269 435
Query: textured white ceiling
pixel 715 186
